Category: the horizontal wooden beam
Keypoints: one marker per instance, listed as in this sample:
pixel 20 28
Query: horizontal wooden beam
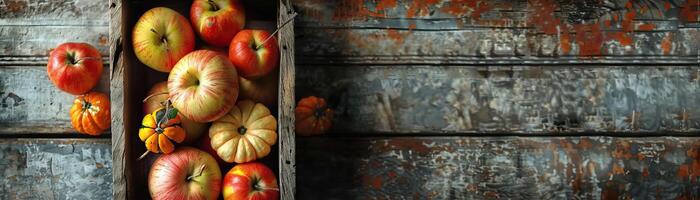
pixel 337 44
pixel 56 169
pixel 53 13
pixel 551 100
pixel 502 13
pixel 497 168
pixel 30 103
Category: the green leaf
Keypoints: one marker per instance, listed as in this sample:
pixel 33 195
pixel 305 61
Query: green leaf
pixel 160 114
pixel 172 113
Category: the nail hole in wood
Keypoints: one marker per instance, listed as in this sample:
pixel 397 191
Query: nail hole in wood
pixel 287 161
pixel 113 5
pixel 284 47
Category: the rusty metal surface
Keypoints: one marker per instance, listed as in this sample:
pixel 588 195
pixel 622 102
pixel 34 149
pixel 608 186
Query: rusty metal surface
pixel 498 168
pixel 520 99
pixel 385 31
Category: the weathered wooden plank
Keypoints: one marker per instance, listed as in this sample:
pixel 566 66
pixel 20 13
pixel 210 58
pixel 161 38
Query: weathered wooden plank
pixel 120 145
pixel 53 12
pixel 498 13
pixel 498 168
pixel 55 169
pixel 525 100
pixel 30 103
pixel 398 31
pixel 40 40
pixel 326 46
pixel 287 143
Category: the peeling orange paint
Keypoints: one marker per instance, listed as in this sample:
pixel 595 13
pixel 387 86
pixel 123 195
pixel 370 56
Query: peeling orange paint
pixel 627 24
pixel 420 8
pixel 353 9
pixel 565 41
pixel 474 8
pixel 395 35
pixel 542 16
pixel 589 39
pixel 690 11
pixel 667 43
pixel 385 4
pixel 15 6
pixel 646 27
pixel 625 39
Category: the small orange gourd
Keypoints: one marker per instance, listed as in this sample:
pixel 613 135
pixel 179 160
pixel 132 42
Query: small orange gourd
pixel 160 129
pixel 90 113
pixel 313 117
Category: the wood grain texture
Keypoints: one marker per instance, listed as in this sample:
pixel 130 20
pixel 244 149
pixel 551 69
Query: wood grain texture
pixel 53 12
pixel 287 147
pixel 498 168
pixel 29 30
pixel 520 99
pixel 26 40
pixel 404 32
pixel 31 104
pixel 120 150
pixel 55 169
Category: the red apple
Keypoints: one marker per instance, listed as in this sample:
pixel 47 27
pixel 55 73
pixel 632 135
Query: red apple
pixel 186 173
pixel 251 180
pixel 263 90
pixel 161 37
pixel 75 67
pixel 217 21
pixel 158 97
pixel 253 62
pixel 203 86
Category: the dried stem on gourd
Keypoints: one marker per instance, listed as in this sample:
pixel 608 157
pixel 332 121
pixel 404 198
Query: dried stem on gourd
pixel 160 121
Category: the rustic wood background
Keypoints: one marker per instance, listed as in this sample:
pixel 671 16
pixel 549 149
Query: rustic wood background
pixel 503 99
pixel 41 156
pixel 534 99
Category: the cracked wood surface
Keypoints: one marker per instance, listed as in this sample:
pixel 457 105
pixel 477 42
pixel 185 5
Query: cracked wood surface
pixel 498 168
pixel 31 107
pixel 55 169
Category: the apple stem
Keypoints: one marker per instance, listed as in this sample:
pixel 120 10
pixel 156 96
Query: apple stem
pixel 271 188
pixel 197 173
pixel 213 5
pixel 85 58
pixel 152 95
pixel 278 29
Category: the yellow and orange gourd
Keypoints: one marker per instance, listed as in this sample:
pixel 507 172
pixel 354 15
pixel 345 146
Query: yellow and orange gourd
pixel 161 129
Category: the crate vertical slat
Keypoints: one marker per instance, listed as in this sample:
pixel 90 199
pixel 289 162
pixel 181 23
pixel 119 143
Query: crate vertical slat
pixel 117 77
pixel 287 160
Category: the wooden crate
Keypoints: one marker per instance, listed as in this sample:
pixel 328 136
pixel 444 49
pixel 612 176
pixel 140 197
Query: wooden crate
pixel 130 80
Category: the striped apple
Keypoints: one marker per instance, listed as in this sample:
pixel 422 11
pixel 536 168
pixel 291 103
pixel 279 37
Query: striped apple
pixel 203 85
pixel 161 37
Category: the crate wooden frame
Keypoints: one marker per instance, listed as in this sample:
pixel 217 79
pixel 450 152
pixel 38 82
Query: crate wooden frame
pixel 123 105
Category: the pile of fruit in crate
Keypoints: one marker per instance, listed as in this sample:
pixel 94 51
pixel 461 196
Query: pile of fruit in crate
pixel 212 100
